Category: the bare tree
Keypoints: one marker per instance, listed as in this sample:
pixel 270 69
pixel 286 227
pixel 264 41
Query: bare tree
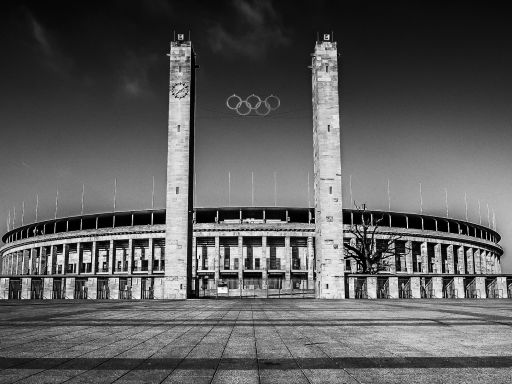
pixel 371 255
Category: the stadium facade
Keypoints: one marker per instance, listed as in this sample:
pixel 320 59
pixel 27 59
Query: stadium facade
pixel 184 251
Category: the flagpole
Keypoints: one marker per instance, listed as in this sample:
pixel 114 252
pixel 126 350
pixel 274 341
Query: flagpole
pixel 153 195
pixel 229 189
pixel 56 203
pixel 479 214
pixel 22 213
pixel 446 201
pixel 275 189
pixel 309 194
pixel 115 193
pixel 37 205
pixel 466 204
pixel 389 198
pixel 252 189
pixel 82 205
pixel 350 186
pixel 421 201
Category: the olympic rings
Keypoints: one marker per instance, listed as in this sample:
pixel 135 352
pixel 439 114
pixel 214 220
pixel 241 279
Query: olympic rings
pixel 253 103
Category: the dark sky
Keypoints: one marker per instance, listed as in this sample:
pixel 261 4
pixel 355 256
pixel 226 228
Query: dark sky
pixel 425 93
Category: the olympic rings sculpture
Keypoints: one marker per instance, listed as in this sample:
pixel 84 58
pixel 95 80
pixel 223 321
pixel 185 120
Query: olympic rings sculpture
pixel 253 103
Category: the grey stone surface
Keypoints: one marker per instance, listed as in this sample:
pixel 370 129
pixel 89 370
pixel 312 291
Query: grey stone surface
pixel 257 341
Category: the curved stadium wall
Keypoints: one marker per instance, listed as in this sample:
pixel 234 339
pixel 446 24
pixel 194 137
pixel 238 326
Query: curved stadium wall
pixel 253 252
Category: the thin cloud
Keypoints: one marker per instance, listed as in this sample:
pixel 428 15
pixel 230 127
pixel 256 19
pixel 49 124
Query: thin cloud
pixel 135 74
pixel 256 28
pixel 44 43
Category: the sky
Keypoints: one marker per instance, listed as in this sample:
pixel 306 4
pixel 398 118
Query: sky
pixel 425 97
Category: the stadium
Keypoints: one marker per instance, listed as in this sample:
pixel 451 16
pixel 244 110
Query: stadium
pixel 188 252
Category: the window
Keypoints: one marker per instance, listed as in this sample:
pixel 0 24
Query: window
pixel 328 127
pixel 330 190
pixel 177 190
pixel 179 126
pixel 326 68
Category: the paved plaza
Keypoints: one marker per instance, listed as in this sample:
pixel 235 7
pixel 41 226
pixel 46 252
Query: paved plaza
pixel 253 340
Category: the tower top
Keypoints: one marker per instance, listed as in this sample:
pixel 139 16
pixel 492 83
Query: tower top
pixel 180 39
pixel 325 37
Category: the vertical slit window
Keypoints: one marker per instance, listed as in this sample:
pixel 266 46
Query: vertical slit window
pixel 328 127
pixel 326 68
pixel 179 126
pixel 177 190
pixel 330 190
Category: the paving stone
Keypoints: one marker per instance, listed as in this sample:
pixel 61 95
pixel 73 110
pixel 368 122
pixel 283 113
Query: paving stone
pixel 257 341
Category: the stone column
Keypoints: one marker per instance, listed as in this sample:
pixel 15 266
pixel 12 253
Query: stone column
pixel 478 264
pixel 65 258
pixel 240 261
pixel 392 260
pixel 111 261
pixel 371 287
pixel 50 260
pixel 460 259
pixel 194 267
pixel 393 287
pixel 216 263
pixel 80 257
pixel 311 259
pixel 438 260
pixel 4 288
pixel 437 287
pixel 450 258
pixel 408 256
pixel 92 288
pixel 498 265
pixel 151 257
pixel 264 273
pixel 130 255
pixel 469 258
pixel 94 257
pixel 47 287
pixel 113 284
pixel 23 264
pixel 26 285
pixel 424 257
pixel 501 285
pixel 69 288
pixel 136 288
pixel 415 287
pixel 351 287
pixel 458 283
pixel 480 287
pixel 288 262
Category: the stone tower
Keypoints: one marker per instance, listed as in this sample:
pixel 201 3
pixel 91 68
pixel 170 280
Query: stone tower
pixel 327 171
pixel 180 169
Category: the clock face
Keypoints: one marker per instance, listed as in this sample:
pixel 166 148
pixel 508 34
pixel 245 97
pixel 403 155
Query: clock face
pixel 179 90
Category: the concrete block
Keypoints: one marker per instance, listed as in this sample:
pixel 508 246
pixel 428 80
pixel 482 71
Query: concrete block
pixel 459 287
pixel 92 288
pixel 415 287
pixel 69 288
pixel 437 287
pixel 351 287
pixel 4 288
pixel 501 285
pixel 47 287
pixel 113 285
pixel 136 288
pixel 393 287
pixel 480 287
pixel 25 288
pixel 371 286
